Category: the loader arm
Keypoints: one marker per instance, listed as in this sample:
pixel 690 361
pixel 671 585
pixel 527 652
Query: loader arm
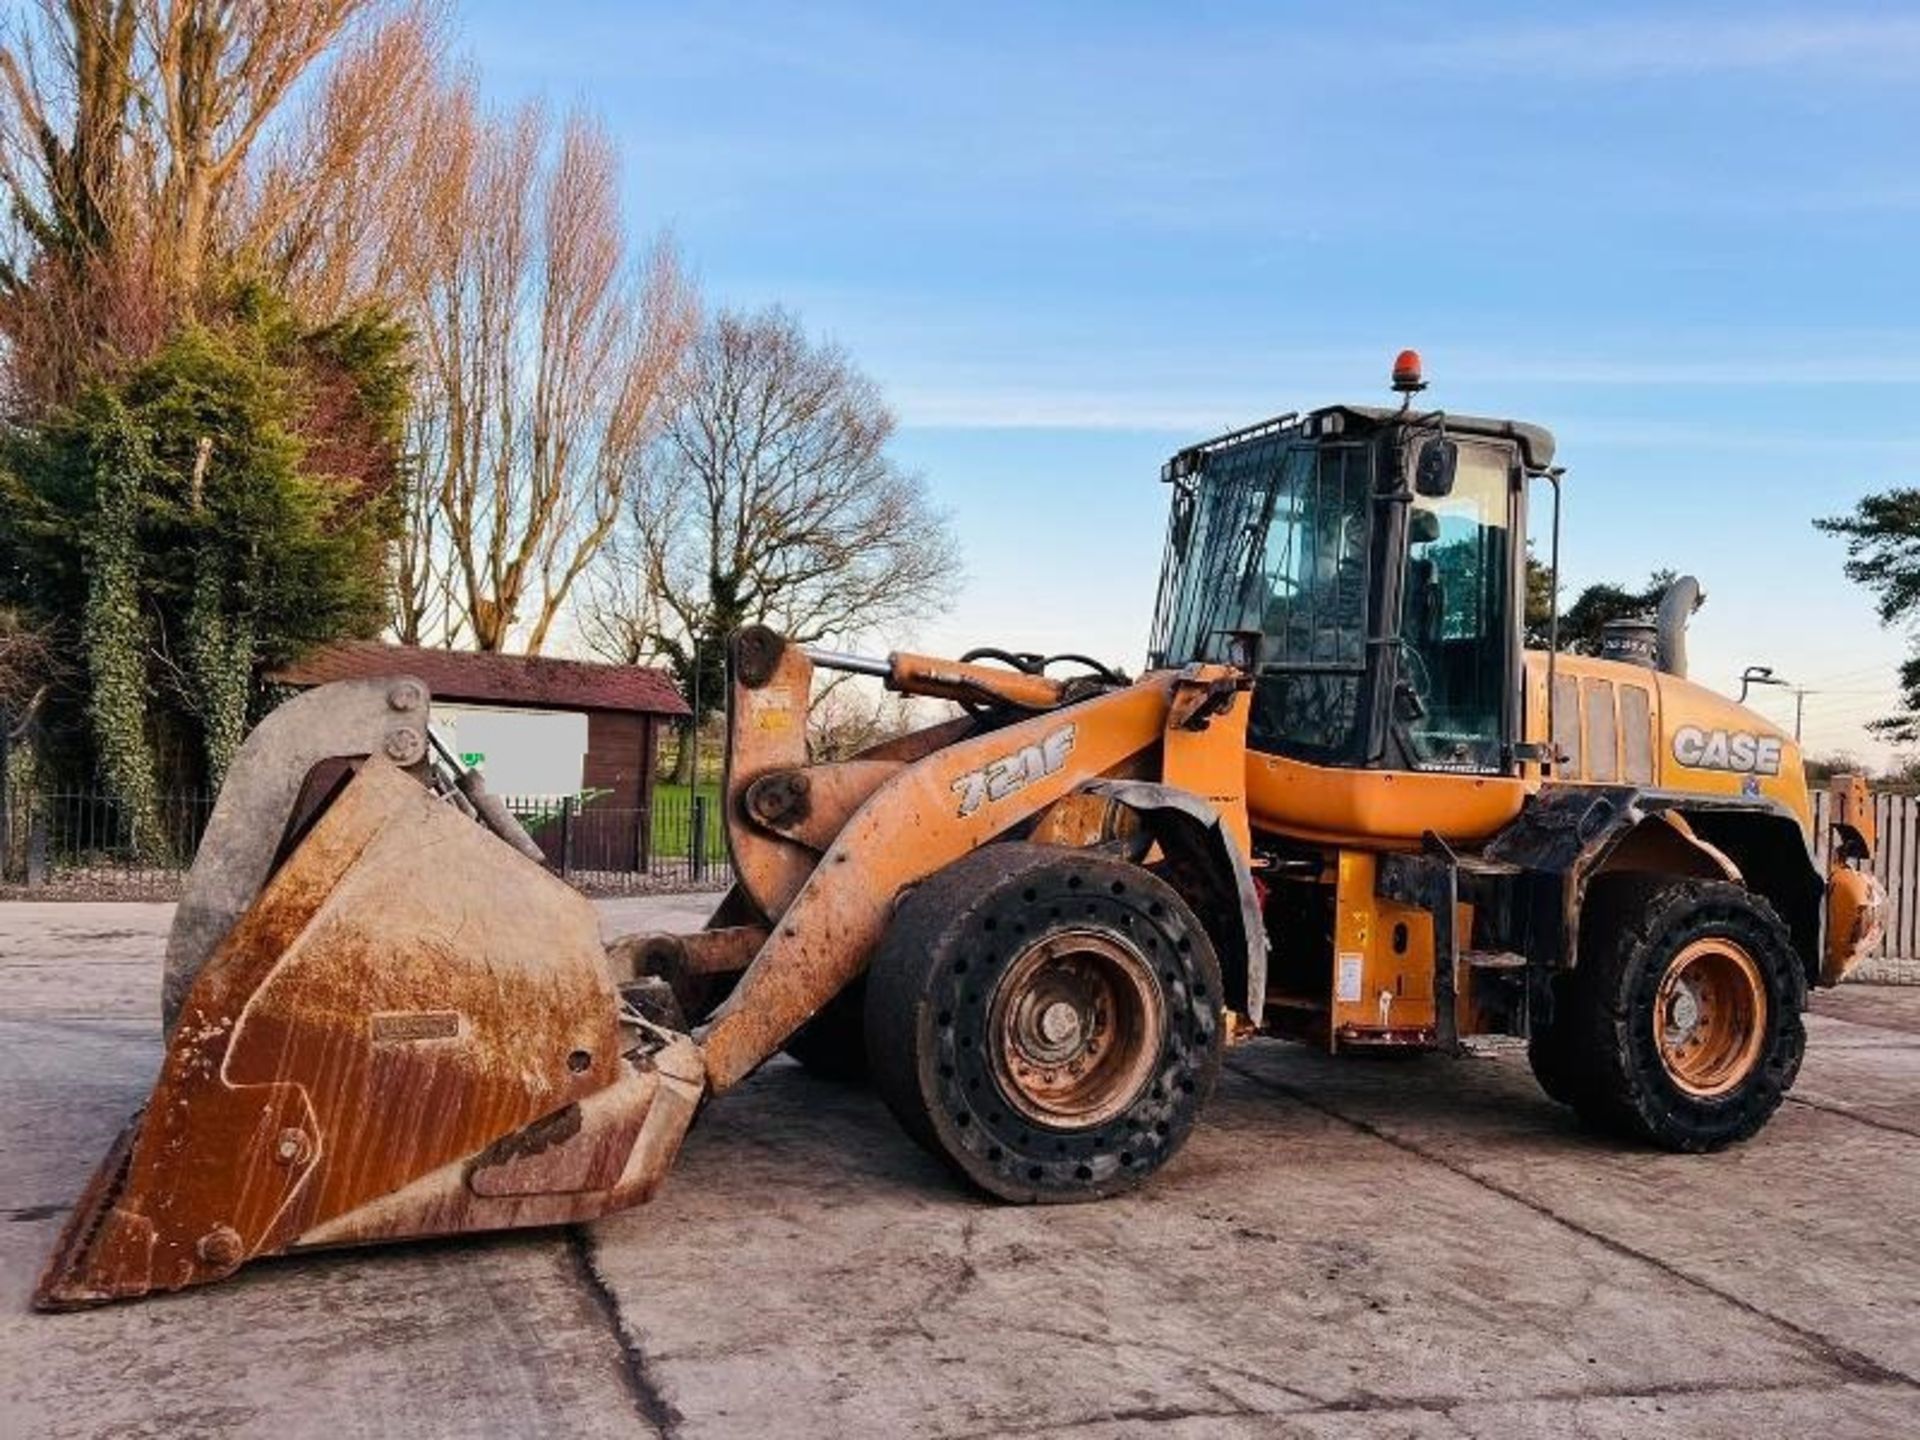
pixel 408 1027
pixel 782 811
pixel 918 820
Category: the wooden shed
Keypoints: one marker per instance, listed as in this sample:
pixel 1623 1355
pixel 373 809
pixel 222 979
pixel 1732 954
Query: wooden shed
pixel 625 706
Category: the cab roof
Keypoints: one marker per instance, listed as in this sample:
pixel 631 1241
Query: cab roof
pixel 1535 441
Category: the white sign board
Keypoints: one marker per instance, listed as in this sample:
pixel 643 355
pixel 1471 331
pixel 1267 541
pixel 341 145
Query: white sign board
pixel 522 754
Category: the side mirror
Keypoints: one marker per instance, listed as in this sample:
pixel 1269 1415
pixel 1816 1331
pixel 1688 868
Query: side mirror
pixel 1433 473
pixel 1407 704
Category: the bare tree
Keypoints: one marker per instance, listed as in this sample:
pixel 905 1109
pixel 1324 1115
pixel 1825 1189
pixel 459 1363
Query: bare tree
pixel 771 498
pixel 422 606
pixel 844 720
pixel 339 208
pixel 68 73
pixel 619 613
pixel 545 352
pixel 168 97
pixel 73 282
pixel 146 146
pixel 220 71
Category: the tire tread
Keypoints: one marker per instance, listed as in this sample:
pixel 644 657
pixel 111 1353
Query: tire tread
pixel 1611 1074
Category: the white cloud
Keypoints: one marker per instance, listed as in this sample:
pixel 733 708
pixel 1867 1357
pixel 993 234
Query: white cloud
pixel 1878 46
pixel 1103 387
pixel 1044 408
pixel 1895 365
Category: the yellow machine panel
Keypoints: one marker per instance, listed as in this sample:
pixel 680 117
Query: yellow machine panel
pixel 1383 962
pixel 1620 724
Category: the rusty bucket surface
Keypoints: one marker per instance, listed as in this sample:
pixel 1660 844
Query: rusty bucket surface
pixel 412 1031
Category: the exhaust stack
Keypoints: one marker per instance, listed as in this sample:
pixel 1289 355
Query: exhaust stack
pixel 1670 624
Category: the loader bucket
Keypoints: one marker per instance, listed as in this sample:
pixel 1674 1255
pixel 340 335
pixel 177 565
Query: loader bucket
pixel 412 1031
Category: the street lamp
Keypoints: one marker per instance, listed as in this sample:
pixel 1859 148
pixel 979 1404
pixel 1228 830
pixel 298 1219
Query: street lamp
pixel 1763 675
pixel 1758 675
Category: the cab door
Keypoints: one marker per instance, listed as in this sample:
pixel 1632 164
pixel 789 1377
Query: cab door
pixel 1457 650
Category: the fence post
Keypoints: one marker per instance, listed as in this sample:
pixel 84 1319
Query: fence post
pixel 566 838
pixel 36 845
pixel 643 839
pixel 698 838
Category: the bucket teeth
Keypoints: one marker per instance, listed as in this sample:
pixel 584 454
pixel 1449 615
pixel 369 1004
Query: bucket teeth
pixel 413 1031
pixel 67 1282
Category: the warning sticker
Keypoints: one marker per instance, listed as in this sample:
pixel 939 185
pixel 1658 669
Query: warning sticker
pixel 1347 986
pixel 770 709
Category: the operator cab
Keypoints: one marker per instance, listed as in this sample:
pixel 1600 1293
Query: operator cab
pixel 1368 566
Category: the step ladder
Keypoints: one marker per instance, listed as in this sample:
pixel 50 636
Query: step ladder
pixel 1432 881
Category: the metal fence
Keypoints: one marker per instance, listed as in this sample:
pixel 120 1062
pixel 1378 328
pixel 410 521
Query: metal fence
pixel 72 842
pixel 86 845
pixel 678 839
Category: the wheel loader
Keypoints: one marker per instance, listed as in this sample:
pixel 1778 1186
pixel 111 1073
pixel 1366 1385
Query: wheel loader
pixel 1344 804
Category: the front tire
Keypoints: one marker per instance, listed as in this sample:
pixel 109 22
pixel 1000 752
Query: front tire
pixel 1553 1052
pixel 1556 1048
pixel 1685 1024
pixel 1047 1021
pixel 833 1044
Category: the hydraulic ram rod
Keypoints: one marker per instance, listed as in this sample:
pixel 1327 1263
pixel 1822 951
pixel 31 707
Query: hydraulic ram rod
pixel 851 664
pixel 949 679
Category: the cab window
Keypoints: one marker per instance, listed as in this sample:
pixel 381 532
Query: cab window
pixel 1453 651
pixel 1310 602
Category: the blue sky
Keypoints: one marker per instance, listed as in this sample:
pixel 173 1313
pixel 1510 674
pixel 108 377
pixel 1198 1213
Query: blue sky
pixel 1068 239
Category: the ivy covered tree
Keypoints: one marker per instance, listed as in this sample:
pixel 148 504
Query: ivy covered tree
pixel 210 512
pixel 200 397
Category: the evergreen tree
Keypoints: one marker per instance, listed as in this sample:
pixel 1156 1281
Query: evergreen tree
pixel 1883 554
pixel 207 514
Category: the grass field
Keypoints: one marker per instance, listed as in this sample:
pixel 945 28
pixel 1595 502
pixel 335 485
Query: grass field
pixel 673 819
pixel 600 829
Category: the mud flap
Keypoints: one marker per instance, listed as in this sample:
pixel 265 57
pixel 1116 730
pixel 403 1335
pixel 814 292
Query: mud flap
pixel 411 1032
pixel 1192 830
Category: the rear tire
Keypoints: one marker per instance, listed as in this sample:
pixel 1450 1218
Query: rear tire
pixel 1047 1021
pixel 1685 1028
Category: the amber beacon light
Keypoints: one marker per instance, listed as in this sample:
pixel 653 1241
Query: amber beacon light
pixel 1407 378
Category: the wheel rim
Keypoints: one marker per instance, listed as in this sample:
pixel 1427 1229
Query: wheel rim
pixel 1709 1017
pixel 1075 1027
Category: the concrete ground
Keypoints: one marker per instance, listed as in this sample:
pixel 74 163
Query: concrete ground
pixel 1415 1248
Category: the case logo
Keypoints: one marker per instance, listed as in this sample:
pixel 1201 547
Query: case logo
pixel 1737 751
